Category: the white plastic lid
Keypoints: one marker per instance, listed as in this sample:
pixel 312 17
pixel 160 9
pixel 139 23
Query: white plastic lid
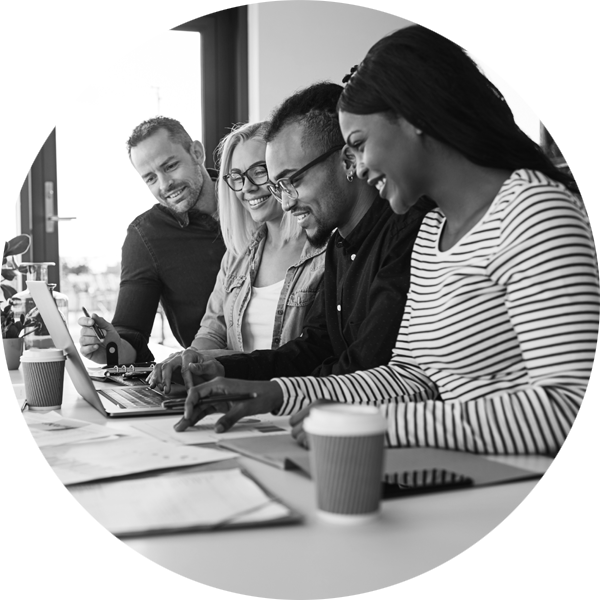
pixel 338 419
pixel 42 355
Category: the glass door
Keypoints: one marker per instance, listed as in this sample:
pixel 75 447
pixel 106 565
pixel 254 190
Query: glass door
pixel 113 79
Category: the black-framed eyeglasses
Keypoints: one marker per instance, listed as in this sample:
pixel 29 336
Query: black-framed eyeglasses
pixel 286 184
pixel 256 174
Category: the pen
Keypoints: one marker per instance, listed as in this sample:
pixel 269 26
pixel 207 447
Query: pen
pixel 179 402
pixel 99 332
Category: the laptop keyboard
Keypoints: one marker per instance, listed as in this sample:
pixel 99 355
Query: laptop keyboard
pixel 135 397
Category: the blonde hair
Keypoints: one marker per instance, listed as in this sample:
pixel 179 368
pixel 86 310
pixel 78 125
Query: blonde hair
pixel 237 225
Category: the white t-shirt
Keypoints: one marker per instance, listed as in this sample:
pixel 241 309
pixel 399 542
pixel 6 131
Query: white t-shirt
pixel 259 319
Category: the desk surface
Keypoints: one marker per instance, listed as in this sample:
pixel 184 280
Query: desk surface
pixel 530 540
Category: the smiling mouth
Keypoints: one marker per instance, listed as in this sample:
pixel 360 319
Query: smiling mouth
pixel 176 195
pixel 379 183
pixel 301 216
pixel 255 202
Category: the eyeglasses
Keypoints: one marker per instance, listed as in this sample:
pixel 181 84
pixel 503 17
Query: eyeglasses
pixel 256 174
pixel 286 184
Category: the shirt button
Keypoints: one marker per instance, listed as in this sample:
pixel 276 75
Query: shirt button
pixel 339 307
pixel 279 312
pixel 353 257
pixel 230 323
pixel 277 340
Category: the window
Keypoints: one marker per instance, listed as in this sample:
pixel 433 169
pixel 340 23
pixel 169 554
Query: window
pixel 9 222
pixel 96 182
pixel 198 74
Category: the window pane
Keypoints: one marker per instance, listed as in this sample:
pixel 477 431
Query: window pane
pixel 518 77
pixel 8 222
pixel 96 182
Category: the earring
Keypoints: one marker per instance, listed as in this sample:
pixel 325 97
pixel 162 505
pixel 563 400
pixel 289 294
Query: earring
pixel 350 176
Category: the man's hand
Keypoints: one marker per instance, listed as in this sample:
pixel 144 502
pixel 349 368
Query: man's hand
pixel 297 422
pixel 194 368
pixel 95 349
pixel 269 397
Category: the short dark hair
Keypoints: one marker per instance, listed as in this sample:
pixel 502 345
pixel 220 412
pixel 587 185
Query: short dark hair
pixel 144 130
pixel 431 82
pixel 314 107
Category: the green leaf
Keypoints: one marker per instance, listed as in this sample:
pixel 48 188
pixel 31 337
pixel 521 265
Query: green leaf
pixel 17 245
pixel 8 291
pixel 8 274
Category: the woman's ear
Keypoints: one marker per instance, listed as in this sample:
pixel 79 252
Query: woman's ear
pixel 348 158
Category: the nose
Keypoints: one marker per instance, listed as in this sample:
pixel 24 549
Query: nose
pixel 248 185
pixel 164 182
pixel 287 202
pixel 361 170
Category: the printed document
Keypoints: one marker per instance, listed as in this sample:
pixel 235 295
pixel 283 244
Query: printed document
pixel 204 433
pixel 177 501
pixel 76 463
pixel 51 429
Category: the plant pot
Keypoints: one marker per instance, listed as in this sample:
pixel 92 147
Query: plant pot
pixel 13 348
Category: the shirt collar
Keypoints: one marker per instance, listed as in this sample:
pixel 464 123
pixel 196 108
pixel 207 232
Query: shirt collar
pixel 365 226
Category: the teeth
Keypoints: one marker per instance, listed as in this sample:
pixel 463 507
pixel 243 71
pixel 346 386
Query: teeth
pixel 301 216
pixel 175 194
pixel 380 184
pixel 257 201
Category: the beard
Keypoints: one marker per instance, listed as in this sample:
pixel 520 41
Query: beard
pixel 321 235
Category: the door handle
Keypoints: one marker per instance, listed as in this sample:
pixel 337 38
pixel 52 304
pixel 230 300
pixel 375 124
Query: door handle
pixel 51 218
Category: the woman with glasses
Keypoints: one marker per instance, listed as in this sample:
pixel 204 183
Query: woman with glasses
pixel 270 273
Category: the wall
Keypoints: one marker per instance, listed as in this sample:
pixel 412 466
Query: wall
pixel 293 44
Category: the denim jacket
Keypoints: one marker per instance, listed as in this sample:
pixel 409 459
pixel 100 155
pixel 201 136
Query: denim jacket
pixel 227 304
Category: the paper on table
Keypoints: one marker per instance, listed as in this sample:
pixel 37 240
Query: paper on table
pixel 51 428
pixel 178 501
pixel 203 432
pixel 76 463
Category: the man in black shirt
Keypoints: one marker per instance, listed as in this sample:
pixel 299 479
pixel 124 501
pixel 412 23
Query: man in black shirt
pixel 354 321
pixel 172 252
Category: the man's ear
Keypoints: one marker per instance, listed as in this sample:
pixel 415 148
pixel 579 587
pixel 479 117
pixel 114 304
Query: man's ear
pixel 197 152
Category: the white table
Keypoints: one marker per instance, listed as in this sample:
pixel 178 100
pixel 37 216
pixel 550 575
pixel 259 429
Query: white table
pixel 530 540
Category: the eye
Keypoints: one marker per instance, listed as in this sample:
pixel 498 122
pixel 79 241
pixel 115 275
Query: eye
pixel 357 145
pixel 150 180
pixel 171 166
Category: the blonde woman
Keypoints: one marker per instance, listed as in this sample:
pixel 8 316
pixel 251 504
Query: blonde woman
pixel 270 273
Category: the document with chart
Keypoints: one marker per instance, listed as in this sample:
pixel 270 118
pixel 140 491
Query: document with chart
pixel 88 461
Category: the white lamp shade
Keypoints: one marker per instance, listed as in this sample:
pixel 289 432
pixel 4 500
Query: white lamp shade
pixel 33 53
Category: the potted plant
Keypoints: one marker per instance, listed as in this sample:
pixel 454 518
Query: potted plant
pixel 11 327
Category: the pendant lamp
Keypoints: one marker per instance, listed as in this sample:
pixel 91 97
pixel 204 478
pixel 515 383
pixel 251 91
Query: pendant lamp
pixel 32 48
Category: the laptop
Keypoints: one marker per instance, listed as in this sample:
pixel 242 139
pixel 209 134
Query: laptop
pixel 136 401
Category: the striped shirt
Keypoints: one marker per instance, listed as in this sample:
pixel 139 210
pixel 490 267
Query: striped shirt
pixel 496 345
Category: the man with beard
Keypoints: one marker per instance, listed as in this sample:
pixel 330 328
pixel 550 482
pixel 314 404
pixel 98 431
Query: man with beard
pixel 356 315
pixel 172 252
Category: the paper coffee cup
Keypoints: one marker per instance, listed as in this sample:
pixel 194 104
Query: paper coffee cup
pixel 43 375
pixel 346 455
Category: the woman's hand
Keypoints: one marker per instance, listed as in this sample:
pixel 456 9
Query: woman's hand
pixel 193 366
pixel 297 422
pixel 269 398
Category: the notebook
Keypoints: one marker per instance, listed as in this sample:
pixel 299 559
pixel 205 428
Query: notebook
pixel 119 402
